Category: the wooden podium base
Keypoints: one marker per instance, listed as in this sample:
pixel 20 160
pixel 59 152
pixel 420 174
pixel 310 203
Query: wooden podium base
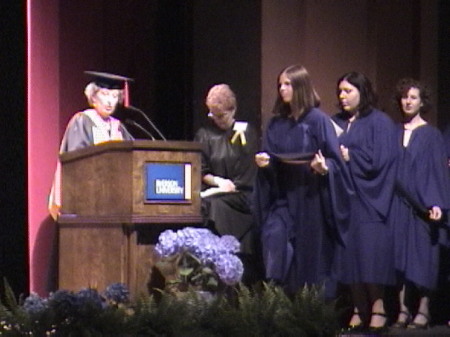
pixel 97 256
pixel 114 208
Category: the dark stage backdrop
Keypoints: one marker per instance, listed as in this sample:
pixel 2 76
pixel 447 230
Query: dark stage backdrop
pixel 13 208
pixel 175 51
pixel 444 64
pixel 226 48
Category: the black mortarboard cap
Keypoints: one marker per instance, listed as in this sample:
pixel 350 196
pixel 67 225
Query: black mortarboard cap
pixel 107 80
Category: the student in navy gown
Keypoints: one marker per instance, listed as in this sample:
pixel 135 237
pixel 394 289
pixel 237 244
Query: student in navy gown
pixel 94 125
pixel 446 134
pixel 422 197
pixel 368 147
pixel 446 235
pixel 301 187
pixel 228 173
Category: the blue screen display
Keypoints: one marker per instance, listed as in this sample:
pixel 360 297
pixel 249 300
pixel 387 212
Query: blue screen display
pixel 167 182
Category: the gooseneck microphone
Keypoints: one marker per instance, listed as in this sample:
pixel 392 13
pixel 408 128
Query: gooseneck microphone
pixel 143 114
pixel 140 127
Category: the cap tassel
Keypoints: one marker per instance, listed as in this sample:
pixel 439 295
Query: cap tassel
pixel 126 93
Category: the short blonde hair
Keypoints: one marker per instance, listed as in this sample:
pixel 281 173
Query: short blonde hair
pixel 91 90
pixel 222 97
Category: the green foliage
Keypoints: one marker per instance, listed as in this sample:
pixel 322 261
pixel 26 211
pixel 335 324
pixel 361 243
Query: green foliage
pixel 264 310
pixel 185 271
pixel 268 311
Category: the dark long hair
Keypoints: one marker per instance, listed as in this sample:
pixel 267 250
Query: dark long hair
pixel 402 88
pixel 367 96
pixel 304 96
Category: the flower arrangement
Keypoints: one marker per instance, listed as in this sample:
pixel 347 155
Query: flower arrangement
pixel 79 313
pixel 198 259
pixel 262 311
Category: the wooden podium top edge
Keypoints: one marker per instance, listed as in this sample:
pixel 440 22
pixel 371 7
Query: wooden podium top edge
pixel 132 145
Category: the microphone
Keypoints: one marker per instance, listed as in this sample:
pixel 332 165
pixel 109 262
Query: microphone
pixel 142 113
pixel 140 127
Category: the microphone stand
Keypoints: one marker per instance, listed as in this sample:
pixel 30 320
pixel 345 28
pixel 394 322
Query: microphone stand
pixel 140 127
pixel 142 113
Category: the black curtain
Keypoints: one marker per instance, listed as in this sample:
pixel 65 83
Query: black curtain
pixel 13 209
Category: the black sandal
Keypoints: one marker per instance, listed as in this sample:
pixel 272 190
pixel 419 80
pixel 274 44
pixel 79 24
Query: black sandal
pixel 402 324
pixel 420 326
pixel 352 328
pixel 379 329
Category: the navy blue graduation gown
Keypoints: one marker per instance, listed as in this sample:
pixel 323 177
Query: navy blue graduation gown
pixel 341 119
pixel 423 177
pixel 368 251
pixel 446 134
pixel 302 215
pixel 445 234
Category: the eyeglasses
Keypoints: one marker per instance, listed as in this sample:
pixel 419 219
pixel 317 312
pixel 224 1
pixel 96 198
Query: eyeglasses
pixel 220 116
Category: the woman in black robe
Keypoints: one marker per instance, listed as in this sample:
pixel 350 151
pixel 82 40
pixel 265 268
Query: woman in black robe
pixel 422 198
pixel 228 173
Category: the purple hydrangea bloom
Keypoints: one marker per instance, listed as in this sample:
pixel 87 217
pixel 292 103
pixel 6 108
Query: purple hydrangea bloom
pixel 90 297
pixel 64 303
pixel 229 244
pixel 34 304
pixel 229 268
pixel 210 249
pixel 168 243
pixel 206 248
pixel 189 237
pixel 117 292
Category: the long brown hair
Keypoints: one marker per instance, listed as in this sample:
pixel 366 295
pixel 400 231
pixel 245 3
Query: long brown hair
pixel 304 96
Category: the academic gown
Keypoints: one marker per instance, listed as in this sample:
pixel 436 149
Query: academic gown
pixel 367 254
pixel 446 135
pixel 230 213
pixel 423 177
pixel 85 128
pixel 302 214
pixel 341 118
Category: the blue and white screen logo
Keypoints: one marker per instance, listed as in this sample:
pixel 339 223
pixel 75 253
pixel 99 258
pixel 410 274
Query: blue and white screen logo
pixel 168 182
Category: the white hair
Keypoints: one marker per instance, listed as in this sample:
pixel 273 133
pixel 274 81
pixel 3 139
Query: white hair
pixel 91 90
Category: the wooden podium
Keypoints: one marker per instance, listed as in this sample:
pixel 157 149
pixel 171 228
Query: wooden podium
pixel 110 218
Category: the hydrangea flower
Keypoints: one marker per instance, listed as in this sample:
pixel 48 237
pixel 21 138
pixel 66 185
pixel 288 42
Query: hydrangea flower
pixel 189 237
pixel 90 297
pixel 64 303
pixel 229 268
pixel 229 244
pixel 208 248
pixel 117 292
pixel 34 304
pixel 168 243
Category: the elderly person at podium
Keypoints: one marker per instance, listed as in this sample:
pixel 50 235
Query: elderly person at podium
pixel 94 125
pixel 228 172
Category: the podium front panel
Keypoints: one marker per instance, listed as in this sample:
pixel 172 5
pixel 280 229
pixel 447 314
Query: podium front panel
pixel 107 183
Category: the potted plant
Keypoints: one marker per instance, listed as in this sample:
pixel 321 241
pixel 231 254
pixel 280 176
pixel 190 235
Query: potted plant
pixel 196 259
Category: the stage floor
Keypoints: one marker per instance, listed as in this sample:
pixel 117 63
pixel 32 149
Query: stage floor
pixel 435 331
